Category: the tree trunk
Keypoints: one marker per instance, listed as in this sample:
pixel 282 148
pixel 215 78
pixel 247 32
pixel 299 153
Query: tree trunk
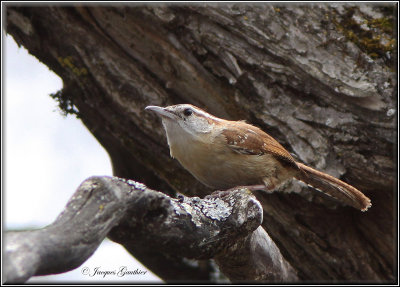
pixel 319 78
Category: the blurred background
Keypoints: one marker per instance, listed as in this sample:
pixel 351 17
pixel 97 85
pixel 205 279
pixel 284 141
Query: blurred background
pixel 51 154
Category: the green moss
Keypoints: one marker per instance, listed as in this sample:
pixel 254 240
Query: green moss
pixel 68 62
pixel 385 24
pixel 62 97
pixel 374 36
pixel 65 104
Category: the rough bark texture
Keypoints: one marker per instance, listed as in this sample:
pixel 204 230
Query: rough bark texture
pixel 191 228
pixel 256 257
pixel 318 78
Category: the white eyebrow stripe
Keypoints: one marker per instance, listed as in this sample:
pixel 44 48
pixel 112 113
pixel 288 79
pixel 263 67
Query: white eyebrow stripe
pixel 206 114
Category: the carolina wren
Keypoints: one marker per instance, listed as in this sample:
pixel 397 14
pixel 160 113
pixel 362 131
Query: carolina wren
pixel 224 154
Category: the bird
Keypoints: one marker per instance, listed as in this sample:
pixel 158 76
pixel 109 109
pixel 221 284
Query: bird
pixel 224 154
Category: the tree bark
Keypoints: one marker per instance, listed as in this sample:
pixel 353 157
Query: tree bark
pixel 193 228
pixel 319 78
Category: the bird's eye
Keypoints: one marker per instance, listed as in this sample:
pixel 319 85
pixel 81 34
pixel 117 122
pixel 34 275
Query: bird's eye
pixel 187 112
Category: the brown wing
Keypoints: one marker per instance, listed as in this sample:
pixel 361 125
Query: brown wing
pixel 248 139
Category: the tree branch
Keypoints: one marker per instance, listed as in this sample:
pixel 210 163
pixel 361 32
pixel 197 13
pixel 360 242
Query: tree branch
pixel 185 227
pixel 258 257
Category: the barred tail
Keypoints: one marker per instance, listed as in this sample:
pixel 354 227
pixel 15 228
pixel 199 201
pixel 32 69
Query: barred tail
pixel 333 187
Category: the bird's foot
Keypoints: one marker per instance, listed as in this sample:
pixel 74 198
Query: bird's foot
pixel 218 194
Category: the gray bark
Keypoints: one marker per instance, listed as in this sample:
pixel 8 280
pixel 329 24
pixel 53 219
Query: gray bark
pixel 255 257
pixel 187 227
pixel 319 78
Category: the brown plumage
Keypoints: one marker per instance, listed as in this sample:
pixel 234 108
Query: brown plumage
pixel 247 139
pixel 224 154
pixel 333 187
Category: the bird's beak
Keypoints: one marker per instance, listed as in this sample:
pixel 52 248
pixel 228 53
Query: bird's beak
pixel 163 112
